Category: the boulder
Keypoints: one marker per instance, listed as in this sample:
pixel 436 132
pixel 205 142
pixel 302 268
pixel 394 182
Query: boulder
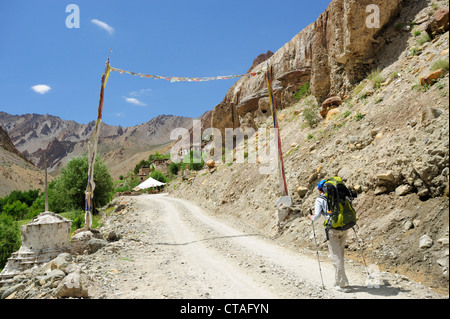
pixel 402 190
pixel 12 290
pixel 386 176
pixel 438 23
pixel 210 163
pixel 380 190
pixel 96 244
pixel 80 241
pixel 425 241
pixel 60 262
pixel 112 236
pixel 431 78
pixel 301 190
pixel 329 104
pixel 331 113
pixel 73 285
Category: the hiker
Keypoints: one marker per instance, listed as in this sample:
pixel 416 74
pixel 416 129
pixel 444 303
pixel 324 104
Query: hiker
pixel 336 240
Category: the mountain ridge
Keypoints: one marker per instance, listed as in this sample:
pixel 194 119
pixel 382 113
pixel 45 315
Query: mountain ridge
pixel 36 134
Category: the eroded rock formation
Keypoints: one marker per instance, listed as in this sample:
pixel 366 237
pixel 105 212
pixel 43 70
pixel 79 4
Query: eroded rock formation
pixel 333 53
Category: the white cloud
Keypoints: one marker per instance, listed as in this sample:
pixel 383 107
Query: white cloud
pixel 41 88
pixel 134 101
pixel 103 25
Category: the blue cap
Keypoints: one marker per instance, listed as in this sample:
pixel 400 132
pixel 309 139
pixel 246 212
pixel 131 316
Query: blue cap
pixel 320 186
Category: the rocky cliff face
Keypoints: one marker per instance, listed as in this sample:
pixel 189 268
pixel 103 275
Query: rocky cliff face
pixel 16 171
pixel 333 53
pixel 7 144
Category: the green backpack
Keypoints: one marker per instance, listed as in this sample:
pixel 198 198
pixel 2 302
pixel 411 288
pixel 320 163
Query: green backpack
pixel 342 215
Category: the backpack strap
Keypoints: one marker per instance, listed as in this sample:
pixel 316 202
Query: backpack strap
pixel 326 213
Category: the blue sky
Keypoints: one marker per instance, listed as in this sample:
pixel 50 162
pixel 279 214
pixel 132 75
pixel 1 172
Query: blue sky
pixel 46 67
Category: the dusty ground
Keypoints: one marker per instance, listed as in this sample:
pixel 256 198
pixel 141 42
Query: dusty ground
pixel 170 248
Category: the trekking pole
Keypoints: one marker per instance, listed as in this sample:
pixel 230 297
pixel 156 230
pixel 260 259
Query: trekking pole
pixel 361 252
pixel 317 249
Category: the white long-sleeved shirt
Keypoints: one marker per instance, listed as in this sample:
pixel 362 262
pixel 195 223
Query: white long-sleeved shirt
pixel 321 207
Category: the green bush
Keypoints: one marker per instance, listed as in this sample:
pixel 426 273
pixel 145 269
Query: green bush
pixel 159 176
pixel 376 78
pixel 9 238
pixel 158 156
pixel 18 203
pixel 174 168
pixel 17 210
pixel 311 116
pixel 128 184
pixel 424 38
pixel 303 91
pixel 440 64
pixel 359 116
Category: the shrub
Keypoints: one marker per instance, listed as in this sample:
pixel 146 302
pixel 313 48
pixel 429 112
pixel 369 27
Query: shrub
pixel 303 91
pixel 440 64
pixel 311 116
pixel 346 114
pixel 157 156
pixel 415 51
pixel 24 198
pixel 359 116
pixel 17 209
pixel 359 88
pixel 424 38
pixel 159 176
pixel 9 238
pixel 376 78
pixel 174 168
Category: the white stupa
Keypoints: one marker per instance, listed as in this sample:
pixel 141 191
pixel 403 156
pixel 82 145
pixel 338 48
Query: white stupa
pixel 43 239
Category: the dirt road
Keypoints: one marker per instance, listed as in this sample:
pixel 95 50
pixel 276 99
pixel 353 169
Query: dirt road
pixel 174 249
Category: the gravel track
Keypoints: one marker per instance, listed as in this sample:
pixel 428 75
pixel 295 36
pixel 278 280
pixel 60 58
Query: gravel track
pixel 174 249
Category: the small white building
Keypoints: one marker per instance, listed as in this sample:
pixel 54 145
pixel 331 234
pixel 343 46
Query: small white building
pixel 43 239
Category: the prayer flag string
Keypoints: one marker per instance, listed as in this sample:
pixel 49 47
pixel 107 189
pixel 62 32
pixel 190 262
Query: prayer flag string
pixel 189 79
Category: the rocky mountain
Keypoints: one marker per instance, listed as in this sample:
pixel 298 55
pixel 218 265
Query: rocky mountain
pixel 333 53
pixel 35 134
pixel 387 136
pixel 260 59
pixel 16 171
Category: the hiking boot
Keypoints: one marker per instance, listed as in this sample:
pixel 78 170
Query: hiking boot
pixel 342 289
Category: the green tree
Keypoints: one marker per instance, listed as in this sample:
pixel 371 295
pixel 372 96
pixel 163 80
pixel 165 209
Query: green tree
pixel 159 176
pixel 16 209
pixel 70 185
pixel 9 238
pixel 25 197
